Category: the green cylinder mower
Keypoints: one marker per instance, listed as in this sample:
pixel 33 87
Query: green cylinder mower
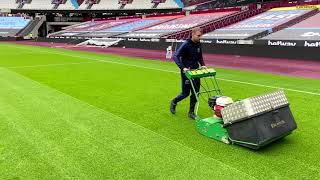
pixel 253 122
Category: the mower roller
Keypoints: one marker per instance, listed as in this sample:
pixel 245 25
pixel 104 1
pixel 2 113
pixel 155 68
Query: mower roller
pixel 253 122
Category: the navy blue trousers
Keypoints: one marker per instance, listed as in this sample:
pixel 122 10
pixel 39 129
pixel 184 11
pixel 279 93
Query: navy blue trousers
pixel 186 88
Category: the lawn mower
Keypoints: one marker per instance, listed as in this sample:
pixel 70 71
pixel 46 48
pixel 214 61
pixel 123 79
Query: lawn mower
pixel 253 122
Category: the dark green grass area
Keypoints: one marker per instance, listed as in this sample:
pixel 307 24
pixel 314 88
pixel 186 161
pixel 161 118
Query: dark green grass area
pixel 68 114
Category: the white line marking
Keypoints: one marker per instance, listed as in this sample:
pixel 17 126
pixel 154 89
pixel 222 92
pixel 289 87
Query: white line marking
pixel 267 86
pixel 48 65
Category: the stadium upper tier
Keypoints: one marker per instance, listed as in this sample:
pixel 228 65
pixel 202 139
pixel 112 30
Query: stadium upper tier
pixel 294 23
pixel 112 27
pixel 89 27
pixel 177 25
pixel 82 5
pixel 308 29
pixel 10 26
pixel 259 24
pixel 148 27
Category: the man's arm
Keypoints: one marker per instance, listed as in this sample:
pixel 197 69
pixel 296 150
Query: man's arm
pixel 178 54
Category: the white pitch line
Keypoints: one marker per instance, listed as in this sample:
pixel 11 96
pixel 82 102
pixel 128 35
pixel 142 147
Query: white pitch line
pixel 267 86
pixel 164 70
pixel 48 65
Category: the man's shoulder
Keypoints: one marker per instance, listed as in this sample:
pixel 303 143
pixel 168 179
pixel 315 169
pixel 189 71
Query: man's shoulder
pixel 186 42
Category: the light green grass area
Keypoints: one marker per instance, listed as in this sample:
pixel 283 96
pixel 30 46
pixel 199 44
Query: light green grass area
pixel 70 114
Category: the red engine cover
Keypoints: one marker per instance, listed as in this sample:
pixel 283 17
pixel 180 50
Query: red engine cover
pixel 217 110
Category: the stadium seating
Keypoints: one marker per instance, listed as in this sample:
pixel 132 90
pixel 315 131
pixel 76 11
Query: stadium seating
pixel 177 25
pixel 88 27
pixel 112 28
pixel 259 25
pixel 10 26
pixel 129 27
pixel 217 23
pixel 308 29
pixel 149 27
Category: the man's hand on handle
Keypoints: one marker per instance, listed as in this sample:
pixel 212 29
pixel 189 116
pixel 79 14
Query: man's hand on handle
pixel 188 69
pixel 185 69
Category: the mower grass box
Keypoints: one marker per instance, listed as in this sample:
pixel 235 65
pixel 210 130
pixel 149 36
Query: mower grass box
pixel 260 120
pixel 262 129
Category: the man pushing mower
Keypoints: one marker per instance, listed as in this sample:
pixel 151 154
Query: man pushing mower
pixel 187 57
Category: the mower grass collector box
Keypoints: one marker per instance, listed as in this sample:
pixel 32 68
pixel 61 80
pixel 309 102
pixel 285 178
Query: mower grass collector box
pixel 260 120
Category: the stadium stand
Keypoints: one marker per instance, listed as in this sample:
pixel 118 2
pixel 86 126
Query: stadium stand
pixel 157 24
pixel 260 25
pixel 112 27
pixel 11 26
pixel 217 23
pixel 177 25
pixel 89 27
pixel 308 29
pixel 127 27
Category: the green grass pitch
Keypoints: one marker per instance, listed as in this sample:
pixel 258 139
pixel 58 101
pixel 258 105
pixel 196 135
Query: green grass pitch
pixel 76 115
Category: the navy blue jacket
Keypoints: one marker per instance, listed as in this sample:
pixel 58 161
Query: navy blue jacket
pixel 189 55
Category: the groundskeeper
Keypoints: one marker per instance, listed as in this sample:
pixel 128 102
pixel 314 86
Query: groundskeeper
pixel 188 57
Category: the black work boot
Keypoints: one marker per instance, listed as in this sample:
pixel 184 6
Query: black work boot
pixel 173 106
pixel 192 115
